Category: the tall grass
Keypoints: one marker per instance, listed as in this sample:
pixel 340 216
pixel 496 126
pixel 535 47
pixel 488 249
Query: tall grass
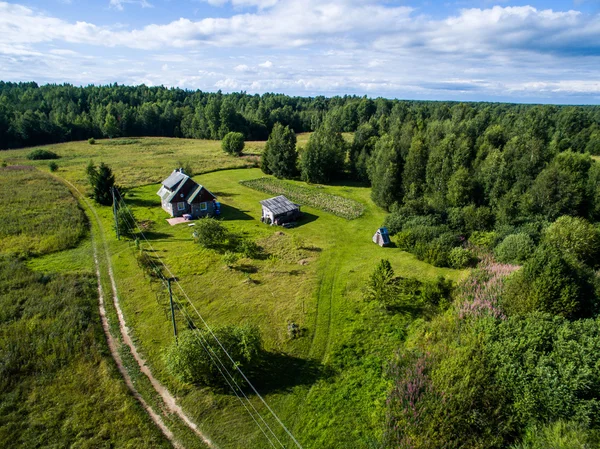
pixel 38 214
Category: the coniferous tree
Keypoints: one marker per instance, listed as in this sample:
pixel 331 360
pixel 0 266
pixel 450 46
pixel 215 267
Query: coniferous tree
pixel 280 156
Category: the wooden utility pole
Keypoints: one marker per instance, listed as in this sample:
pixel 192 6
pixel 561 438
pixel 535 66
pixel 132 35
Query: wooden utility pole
pixel 172 308
pixel 115 212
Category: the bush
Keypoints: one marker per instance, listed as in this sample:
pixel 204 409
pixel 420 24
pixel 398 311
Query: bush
pixel 381 286
pixel 460 258
pixel 53 166
pixel 552 283
pixel 515 248
pixel 37 155
pixel 483 239
pixel 190 362
pixel 210 232
pixel 576 237
pixel 248 248
pixel 92 141
pixel 233 143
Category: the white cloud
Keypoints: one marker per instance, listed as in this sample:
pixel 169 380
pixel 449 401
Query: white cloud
pixel 327 46
pixel 242 68
pixel 118 4
pixel 261 4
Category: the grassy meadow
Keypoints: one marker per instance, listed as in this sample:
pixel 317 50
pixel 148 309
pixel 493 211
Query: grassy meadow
pixel 328 384
pixel 58 384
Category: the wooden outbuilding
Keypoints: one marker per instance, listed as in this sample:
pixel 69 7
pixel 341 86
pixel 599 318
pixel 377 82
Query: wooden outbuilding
pixel 279 210
pixel 382 237
pixel 181 195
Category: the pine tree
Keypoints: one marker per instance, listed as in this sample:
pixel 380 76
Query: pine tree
pixel 280 156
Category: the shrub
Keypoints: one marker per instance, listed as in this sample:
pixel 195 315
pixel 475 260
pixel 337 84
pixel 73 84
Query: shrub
pixel 190 362
pixel 210 232
pixel 576 237
pixel 92 141
pixel 460 258
pixel 515 248
pixel 230 258
pixel 233 143
pixel 484 239
pixel 248 248
pixel 381 286
pixel 552 283
pixel 40 154
pixel 53 166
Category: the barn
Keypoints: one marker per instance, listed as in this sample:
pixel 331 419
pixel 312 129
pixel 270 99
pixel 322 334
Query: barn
pixel 279 210
pixel 382 237
pixel 181 195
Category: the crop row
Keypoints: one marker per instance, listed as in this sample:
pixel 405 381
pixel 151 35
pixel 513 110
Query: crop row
pixel 336 205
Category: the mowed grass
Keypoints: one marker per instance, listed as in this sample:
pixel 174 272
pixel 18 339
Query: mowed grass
pixel 38 214
pixel 328 385
pixel 58 385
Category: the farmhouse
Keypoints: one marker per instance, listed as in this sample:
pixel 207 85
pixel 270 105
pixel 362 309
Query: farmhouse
pixel 181 195
pixel 382 237
pixel 279 210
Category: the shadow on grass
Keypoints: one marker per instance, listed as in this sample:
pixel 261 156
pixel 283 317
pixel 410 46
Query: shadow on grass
pixel 141 202
pixel 153 235
pixel 305 219
pixel 232 213
pixel 281 372
pixel 245 268
pixel 224 194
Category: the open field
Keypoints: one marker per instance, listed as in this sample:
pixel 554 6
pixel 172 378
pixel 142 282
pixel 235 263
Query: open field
pixel 327 385
pixel 38 215
pixel 58 385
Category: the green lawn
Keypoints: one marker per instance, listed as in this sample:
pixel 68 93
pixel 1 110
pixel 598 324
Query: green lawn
pixel 328 385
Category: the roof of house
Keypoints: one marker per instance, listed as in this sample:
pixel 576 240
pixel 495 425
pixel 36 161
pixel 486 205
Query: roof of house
pixel 174 178
pixel 196 192
pixel 279 205
pixel 173 184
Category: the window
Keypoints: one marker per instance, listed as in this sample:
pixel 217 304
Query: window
pixel 181 206
pixel 203 206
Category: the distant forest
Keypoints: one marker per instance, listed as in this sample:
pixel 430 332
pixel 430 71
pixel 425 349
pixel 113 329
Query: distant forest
pixel 35 115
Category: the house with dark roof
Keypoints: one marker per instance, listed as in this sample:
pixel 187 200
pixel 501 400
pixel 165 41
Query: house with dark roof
pixel 279 210
pixel 181 195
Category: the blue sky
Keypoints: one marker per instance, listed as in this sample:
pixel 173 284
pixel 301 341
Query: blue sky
pixel 530 51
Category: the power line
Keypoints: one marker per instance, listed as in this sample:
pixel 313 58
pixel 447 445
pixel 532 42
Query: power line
pixel 234 364
pixel 205 344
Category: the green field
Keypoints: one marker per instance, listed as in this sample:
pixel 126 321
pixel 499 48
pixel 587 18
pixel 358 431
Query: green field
pixel 58 384
pixel 328 385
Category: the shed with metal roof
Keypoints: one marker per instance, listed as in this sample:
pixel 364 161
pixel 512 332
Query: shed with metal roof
pixel 279 210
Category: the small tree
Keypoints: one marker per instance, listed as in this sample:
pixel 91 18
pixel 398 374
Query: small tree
pixel 233 143
pixel 190 362
pixel 126 222
pixel 53 166
pixel 210 232
pixel 101 181
pixel 381 286
pixel 111 126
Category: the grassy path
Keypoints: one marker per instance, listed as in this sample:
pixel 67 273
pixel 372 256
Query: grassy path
pixel 168 399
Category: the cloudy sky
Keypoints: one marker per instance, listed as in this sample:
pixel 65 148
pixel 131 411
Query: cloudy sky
pixel 498 50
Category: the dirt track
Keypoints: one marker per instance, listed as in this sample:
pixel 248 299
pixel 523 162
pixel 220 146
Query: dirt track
pixel 167 397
